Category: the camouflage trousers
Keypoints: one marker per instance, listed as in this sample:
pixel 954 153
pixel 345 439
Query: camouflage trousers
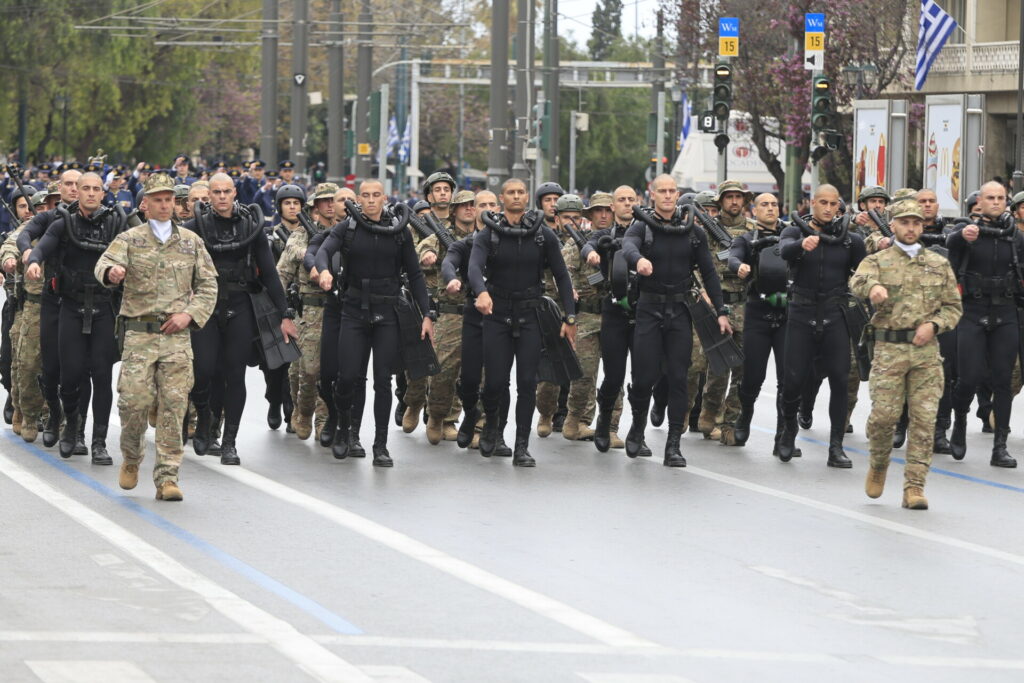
pixel 154 367
pixel 15 333
pixel 582 400
pixel 28 361
pixel 904 373
pixel 442 401
pixel 304 373
pixel 721 404
pixel 698 366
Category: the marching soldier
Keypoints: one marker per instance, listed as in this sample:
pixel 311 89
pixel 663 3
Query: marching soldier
pixel 551 398
pixel 915 296
pixel 21 295
pixel 169 286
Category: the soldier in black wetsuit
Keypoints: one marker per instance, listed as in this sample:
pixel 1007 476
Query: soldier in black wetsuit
pixel 376 249
pixel 234 236
pixel 506 270
pixel 756 258
pixel 85 335
pixel 987 256
pixel 665 252
pixel 821 263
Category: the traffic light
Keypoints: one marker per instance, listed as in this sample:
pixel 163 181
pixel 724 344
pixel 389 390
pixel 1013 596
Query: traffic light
pixel 823 111
pixel 722 95
pixel 541 133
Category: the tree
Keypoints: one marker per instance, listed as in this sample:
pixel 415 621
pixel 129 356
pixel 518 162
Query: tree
pixel 607 28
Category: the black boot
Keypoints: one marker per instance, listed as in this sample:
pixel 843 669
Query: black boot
pixel 9 409
pixel 399 411
pixel 215 446
pixel 228 452
pixel 274 415
pixel 502 449
pixel 489 435
pixel 1000 458
pixel 80 447
pixel 635 436
pixel 805 416
pixel 471 413
pixel 984 413
pixel 958 437
pixel 673 458
pixel 51 431
pixel 355 448
pixel 787 439
pixel 69 435
pixel 941 444
pixel 521 455
pixel 657 414
pixel 330 426
pixel 381 457
pixel 99 446
pixel 780 425
pixel 899 437
pixel 201 437
pixel 603 426
pixel 287 408
pixel 836 455
pixel 741 430
pixel 339 447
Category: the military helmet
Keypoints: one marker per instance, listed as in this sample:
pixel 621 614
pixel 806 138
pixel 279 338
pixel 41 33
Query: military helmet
pixel 907 207
pixel 39 198
pixel 569 202
pixel 289 191
pixel 904 193
pixel 706 198
pixel 1017 200
pixel 971 200
pixel 420 205
pixel 544 189
pixel 438 177
pixel 26 191
pixel 686 198
pixel 873 191
pixel 181 191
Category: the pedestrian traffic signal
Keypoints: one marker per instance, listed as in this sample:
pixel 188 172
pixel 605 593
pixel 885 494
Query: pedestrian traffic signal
pixel 722 95
pixel 823 111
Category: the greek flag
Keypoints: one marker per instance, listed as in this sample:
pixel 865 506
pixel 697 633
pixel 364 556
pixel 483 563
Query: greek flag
pixel 392 136
pixel 936 26
pixel 687 121
pixel 403 151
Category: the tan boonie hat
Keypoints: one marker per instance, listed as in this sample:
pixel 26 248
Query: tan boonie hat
pixel 907 207
pixel 463 197
pixel 734 186
pixel 53 188
pixel 158 182
pixel 324 191
pixel 599 200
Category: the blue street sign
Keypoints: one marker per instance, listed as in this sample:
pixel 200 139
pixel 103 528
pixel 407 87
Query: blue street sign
pixel 729 27
pixel 814 23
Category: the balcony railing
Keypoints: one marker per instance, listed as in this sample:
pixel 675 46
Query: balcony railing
pixel 979 58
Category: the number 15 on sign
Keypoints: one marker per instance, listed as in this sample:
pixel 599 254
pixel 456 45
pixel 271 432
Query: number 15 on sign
pixel 728 47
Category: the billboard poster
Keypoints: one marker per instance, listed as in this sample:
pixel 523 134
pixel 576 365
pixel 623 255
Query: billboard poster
pixel 944 154
pixel 870 145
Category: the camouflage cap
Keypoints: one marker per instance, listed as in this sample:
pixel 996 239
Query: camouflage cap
pixel 907 207
pixel 873 191
pixel 181 191
pixel 39 198
pixel 904 193
pixel 599 200
pixel 158 182
pixel 463 197
pixel 734 186
pixel 1017 200
pixel 325 191
pixel 53 188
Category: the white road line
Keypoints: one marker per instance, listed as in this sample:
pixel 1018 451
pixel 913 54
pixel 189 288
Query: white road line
pixel 131 637
pixel 392 674
pixel 464 571
pixel 308 655
pixel 632 678
pixel 88 671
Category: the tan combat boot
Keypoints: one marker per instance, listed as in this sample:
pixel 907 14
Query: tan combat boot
pixel 302 424
pixel 16 421
pixel 544 426
pixel 435 430
pixel 451 432
pixel 29 428
pixel 706 426
pixel 574 430
pixel 475 443
pixel 875 482
pixel 168 491
pixel 913 498
pixel 411 418
pixel 615 441
pixel 128 477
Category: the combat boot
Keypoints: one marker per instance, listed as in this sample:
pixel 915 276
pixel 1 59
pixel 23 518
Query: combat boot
pixel 502 449
pixel 984 413
pixel 899 436
pixel 69 435
pixel 836 455
pixel 128 477
pixel 355 447
pixel 521 455
pixel 707 427
pixel 201 437
pixel 913 498
pixel 330 425
pixel 673 457
pixel 470 415
pixel 489 435
pixel 16 421
pixel 544 426
pixel 215 446
pixel 228 453
pixel 435 430
pixel 941 444
pixel 602 429
pixel 169 490
pixel 99 446
pixel 635 436
pixel 29 429
pixel 658 413
pixel 574 430
pixel 741 430
pixel 958 437
pixel 787 439
pixel 411 418
pixel 274 415
pixel 875 482
pixel 805 417
pixel 303 425
pixel 51 432
pixel 80 447
pixel 450 432
pixel 340 447
pixel 1000 457
pixel 9 409
pixel 381 456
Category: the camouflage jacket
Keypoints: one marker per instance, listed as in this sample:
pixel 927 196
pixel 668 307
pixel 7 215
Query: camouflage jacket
pixel 10 250
pixel 588 296
pixel 433 273
pixel 289 266
pixel 740 225
pixel 921 289
pixel 177 276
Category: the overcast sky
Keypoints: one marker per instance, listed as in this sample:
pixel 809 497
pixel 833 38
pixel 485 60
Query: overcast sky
pixel 576 15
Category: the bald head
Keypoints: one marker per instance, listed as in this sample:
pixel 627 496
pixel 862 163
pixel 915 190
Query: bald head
pixel 89 177
pixel 826 190
pixel 825 204
pixel 623 201
pixel 69 186
pixel 766 209
pixel 222 194
pixel 665 193
pixel 991 199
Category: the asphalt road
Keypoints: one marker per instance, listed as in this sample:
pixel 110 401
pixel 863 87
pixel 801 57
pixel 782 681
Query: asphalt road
pixel 451 567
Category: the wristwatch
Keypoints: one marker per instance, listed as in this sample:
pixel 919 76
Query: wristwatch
pixel 432 314
pixel 569 319
pixel 289 313
pixel 724 310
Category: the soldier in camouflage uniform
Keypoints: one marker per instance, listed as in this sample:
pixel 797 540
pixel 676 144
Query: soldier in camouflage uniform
pixel 915 296
pixel 721 400
pixel 170 286
pixel 443 405
pixel 550 396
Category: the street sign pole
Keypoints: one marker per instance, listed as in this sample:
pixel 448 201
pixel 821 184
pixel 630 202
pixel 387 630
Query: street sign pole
pixel 814 61
pixel 728 47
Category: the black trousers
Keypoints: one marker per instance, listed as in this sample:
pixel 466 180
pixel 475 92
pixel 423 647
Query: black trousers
pixel 511 334
pixel 6 352
pixel 359 334
pixel 831 346
pixel 764 333
pixel 947 347
pixel 86 357
pixel 663 339
pixel 224 345
pixel 329 333
pixel 617 331
pixel 987 338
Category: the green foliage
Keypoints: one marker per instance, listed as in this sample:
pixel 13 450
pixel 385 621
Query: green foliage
pixel 607 28
pixel 614 151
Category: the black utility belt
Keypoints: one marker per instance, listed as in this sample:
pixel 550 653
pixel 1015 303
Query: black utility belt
pixel 733 297
pixel 453 309
pixel 515 295
pixel 314 299
pixel 895 336
pixel 669 298
pixel 801 299
pixel 354 294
